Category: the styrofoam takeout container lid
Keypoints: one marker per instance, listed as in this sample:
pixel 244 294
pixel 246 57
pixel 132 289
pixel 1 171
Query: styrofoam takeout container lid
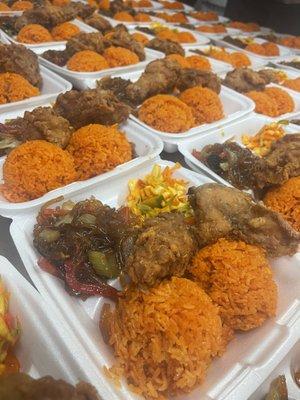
pixel 287 367
pixel 235 106
pixel 247 126
pixel 283 51
pixel 255 63
pixel 46 345
pixel 38 47
pixel 82 80
pixel 52 86
pixel 249 357
pixel 287 59
pixel 200 39
pixel 146 148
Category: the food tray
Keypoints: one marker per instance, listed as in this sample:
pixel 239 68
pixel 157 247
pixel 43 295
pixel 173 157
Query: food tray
pixel 39 47
pixel 52 86
pixel 287 367
pixel 191 20
pixel 235 106
pixel 201 40
pixel 248 359
pixel 289 58
pixel 221 19
pixel 247 126
pixel 283 51
pixel 146 148
pixel 46 346
pixel 255 63
pixel 155 6
pixel 82 80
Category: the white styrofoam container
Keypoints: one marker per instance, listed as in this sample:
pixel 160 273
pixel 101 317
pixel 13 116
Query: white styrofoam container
pixel 255 63
pixel 83 80
pixel 46 345
pixel 283 51
pixel 246 126
pixel 287 367
pixel 155 5
pixel 52 86
pixel 146 148
pixel 249 357
pixel 288 59
pixel 200 39
pixel 235 107
pixel 40 47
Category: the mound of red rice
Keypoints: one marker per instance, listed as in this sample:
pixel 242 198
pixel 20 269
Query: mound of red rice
pixel 238 278
pixel 164 339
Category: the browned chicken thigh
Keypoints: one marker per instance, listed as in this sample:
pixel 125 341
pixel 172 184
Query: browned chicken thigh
pixel 224 212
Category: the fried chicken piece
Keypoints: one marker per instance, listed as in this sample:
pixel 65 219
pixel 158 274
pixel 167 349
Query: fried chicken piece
pixel 283 158
pixel 58 57
pixel 92 106
pixel 20 60
pixel 224 212
pixel 119 37
pixel 161 251
pixel 116 85
pixel 160 77
pixel 244 80
pixel 191 77
pixel 269 75
pixel 48 16
pixel 41 123
pixel 19 386
pixel 85 41
pixel 82 10
pixel 98 22
pixel 165 46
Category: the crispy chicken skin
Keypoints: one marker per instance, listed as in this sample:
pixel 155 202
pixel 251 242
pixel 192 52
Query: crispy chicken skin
pixel 85 41
pixel 92 106
pixel 98 22
pixel 194 77
pixel 20 386
pixel 41 123
pixel 224 212
pixel 165 46
pixel 244 80
pixel 20 60
pixel 49 16
pixel 119 37
pixel 163 248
